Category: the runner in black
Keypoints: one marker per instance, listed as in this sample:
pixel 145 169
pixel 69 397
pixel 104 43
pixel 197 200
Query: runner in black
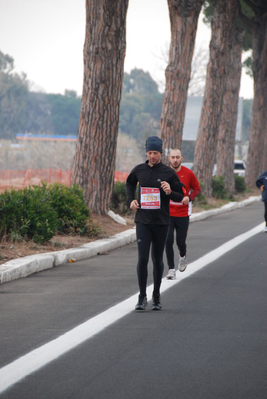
pixel 158 184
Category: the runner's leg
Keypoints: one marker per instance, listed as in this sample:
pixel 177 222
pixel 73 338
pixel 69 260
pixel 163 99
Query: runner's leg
pixel 181 227
pixel 144 237
pixel 159 233
pixel 169 245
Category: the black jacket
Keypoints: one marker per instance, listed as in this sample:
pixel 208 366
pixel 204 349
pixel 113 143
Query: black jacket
pixel 262 181
pixel 148 176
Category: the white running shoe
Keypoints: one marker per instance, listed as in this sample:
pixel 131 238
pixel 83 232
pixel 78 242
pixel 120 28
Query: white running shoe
pixel 171 274
pixel 182 264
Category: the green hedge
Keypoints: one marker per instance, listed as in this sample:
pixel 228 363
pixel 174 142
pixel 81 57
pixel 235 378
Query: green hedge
pixel 72 212
pixel 39 212
pixel 218 187
pixel 240 186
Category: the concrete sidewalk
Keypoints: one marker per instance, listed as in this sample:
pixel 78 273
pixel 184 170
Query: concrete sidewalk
pixel 23 267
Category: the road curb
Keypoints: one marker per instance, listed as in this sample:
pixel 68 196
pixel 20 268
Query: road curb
pixel 23 267
pixel 225 208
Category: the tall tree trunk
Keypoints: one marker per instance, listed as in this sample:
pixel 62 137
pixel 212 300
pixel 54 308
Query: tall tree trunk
pixel 206 144
pixel 227 127
pixel 104 53
pixel 183 18
pixel 258 142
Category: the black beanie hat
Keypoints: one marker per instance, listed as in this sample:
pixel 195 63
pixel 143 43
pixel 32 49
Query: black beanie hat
pixel 153 143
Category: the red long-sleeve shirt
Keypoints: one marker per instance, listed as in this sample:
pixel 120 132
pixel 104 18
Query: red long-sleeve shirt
pixel 192 187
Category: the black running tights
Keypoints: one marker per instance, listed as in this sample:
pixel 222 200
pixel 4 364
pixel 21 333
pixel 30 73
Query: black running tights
pixel 180 226
pixel 146 235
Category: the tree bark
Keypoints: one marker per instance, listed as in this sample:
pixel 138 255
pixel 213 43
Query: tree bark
pixel 227 126
pixel 258 142
pixel 207 139
pixel 183 18
pixel 104 53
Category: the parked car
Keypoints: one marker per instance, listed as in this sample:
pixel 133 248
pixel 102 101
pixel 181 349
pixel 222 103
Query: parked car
pixel 240 167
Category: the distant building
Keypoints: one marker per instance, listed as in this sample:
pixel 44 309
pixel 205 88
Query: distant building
pixel 192 116
pixel 45 137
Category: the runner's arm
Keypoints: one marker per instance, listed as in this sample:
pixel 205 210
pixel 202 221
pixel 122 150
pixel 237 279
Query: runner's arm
pixel 131 183
pixel 178 189
pixel 195 187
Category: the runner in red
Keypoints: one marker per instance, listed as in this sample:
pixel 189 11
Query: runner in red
pixel 180 213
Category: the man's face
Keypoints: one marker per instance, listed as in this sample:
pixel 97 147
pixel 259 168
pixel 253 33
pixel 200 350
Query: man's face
pixel 154 157
pixel 175 159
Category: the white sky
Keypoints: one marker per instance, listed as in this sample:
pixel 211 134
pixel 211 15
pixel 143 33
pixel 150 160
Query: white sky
pixel 46 37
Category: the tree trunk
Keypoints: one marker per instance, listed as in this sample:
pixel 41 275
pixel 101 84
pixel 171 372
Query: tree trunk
pixel 227 127
pixel 206 144
pixel 183 18
pixel 104 53
pixel 258 142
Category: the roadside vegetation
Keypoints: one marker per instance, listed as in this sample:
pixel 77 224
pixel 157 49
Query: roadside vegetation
pixel 39 213
pixel 74 225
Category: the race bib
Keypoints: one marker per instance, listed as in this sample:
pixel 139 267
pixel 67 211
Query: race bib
pixel 150 198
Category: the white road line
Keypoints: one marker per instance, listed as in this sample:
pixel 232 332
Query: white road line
pixel 38 358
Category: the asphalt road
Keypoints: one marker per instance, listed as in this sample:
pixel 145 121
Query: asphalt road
pixel 209 341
